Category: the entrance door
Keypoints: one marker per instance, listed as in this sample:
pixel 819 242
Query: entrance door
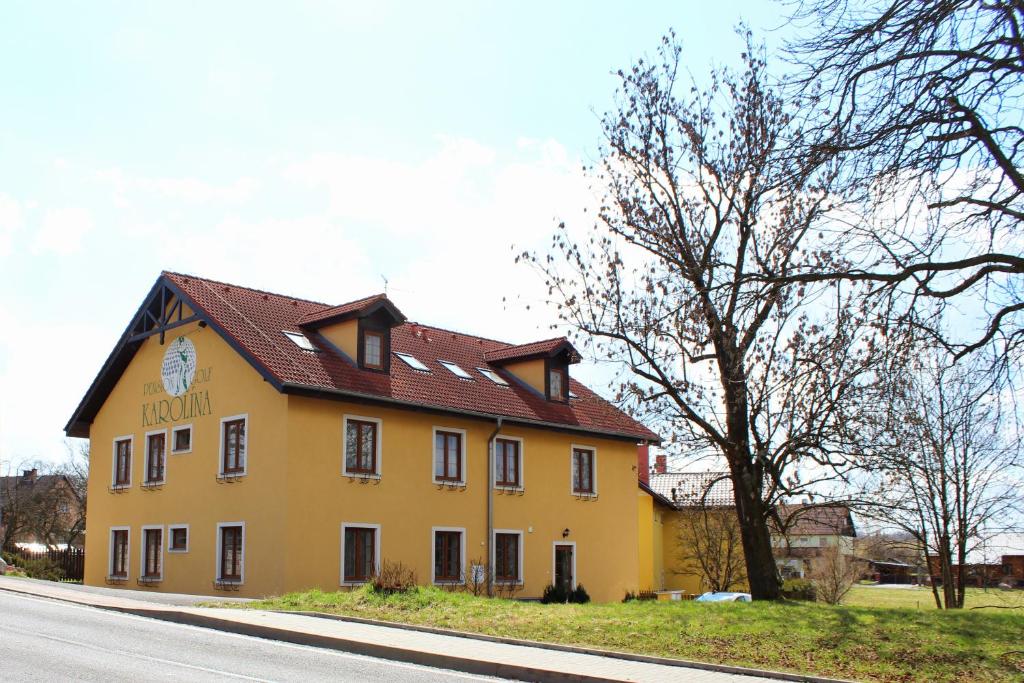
pixel 564 567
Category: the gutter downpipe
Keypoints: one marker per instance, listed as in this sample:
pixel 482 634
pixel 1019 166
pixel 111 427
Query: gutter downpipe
pixel 490 507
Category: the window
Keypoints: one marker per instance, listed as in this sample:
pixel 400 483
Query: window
pixel 413 362
pixel 152 553
pixel 556 385
pixel 181 439
pixel 506 556
pixel 456 370
pixel 448 455
pixel 233 445
pixel 361 446
pixel 373 350
pixel 177 541
pixel 493 376
pixel 123 462
pixel 448 555
pixel 230 549
pixel 583 471
pixel 119 553
pixel 507 462
pixel 155 444
pixel 359 548
pixel 301 340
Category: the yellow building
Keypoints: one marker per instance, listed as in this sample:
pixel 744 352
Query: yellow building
pixel 259 443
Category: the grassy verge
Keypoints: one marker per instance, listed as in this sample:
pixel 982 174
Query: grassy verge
pixel 865 643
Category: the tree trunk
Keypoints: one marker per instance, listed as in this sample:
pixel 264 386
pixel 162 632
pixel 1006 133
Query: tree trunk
pixel 762 573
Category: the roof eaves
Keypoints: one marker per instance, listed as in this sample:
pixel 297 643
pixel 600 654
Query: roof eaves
pixel 293 387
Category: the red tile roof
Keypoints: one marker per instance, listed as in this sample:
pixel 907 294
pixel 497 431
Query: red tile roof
pixel 536 349
pixel 694 489
pixel 342 311
pixel 252 321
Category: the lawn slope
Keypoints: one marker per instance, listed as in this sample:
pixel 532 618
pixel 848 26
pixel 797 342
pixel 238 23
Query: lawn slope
pixel 865 643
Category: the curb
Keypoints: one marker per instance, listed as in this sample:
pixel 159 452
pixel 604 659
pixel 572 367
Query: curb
pixel 597 652
pixel 431 659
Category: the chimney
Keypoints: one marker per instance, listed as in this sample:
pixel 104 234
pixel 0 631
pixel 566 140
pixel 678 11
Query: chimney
pixel 29 476
pixel 643 463
pixel 660 464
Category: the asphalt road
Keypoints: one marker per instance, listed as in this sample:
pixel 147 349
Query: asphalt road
pixel 47 640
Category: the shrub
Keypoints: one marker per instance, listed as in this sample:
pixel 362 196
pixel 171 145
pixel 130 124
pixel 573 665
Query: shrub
pixel 580 595
pixel 554 594
pixel 799 589
pixel 393 577
pixel 640 595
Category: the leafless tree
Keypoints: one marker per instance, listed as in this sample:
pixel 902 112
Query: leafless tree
pixel 923 110
pixel 37 501
pixel 701 191
pixel 942 464
pixel 710 547
pixel 833 574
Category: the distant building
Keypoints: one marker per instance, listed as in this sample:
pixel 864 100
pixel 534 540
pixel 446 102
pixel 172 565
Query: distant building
pixel 40 510
pixel 1009 571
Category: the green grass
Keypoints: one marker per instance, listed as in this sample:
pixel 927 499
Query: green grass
pixel 991 599
pixel 858 642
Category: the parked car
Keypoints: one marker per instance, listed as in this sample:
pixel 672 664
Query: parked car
pixel 724 597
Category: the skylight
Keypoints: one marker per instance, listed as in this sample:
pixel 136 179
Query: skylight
pixel 412 361
pixel 456 370
pixel 493 376
pixel 301 340
pixel 573 395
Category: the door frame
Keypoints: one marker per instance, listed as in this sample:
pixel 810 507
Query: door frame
pixel 554 561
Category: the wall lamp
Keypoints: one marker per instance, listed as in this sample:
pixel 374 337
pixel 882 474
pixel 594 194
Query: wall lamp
pixel 565 533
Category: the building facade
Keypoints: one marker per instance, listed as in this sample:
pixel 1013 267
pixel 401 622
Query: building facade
pixel 253 442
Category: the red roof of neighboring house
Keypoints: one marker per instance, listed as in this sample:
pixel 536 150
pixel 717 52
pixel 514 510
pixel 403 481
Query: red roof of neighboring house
pixel 253 321
pixel 538 349
pixel 822 519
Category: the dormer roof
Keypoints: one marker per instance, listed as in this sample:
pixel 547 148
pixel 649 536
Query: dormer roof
pixel 548 348
pixel 360 308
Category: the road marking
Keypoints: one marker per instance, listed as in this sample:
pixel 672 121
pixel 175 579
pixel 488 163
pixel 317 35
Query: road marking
pixel 123 653
pixel 294 646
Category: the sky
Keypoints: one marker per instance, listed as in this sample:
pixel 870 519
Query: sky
pixel 313 149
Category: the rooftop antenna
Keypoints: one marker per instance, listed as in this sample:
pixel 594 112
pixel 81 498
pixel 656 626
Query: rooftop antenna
pixel 384 278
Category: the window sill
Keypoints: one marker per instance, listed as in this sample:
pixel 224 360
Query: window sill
pixel 153 485
pixel 449 484
pixel 230 477
pixel 364 476
pixel 149 580
pixel 584 496
pixel 119 488
pixel 502 488
pixel 507 583
pixel 115 580
pixel 177 551
pixel 181 452
pixel 354 584
pixel 227 584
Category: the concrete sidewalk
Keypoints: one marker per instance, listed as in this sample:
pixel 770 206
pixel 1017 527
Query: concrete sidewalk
pixel 471 655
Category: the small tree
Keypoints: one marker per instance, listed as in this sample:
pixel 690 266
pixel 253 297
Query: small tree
pixel 711 547
pixel 833 574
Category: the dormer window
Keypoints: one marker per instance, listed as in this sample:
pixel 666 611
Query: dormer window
pixel 373 350
pixel 556 384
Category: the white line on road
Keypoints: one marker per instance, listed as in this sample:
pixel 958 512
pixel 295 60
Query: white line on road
pixel 227 634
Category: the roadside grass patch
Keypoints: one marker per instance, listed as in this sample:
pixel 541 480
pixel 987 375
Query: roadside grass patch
pixel 864 643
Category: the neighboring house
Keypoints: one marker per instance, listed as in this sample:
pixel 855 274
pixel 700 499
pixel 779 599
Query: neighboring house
pixel 1009 571
pixel 666 496
pixel 250 441
pixel 40 510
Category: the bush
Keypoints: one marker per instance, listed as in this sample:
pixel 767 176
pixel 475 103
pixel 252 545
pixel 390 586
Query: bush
pixel 640 595
pixel 799 589
pixel 556 594
pixel 394 577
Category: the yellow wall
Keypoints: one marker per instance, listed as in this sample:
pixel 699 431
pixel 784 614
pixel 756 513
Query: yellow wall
pixel 645 541
pixel 294 497
pixel 531 372
pixel 344 335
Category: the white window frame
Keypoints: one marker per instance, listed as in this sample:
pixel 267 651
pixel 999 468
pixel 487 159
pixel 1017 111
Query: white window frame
pixel 378 459
pixel 554 560
pixel 216 558
pixel 583 447
pixel 462 555
pixel 494 551
pixel 494 464
pixel 170 533
pixel 191 437
pixel 462 453
pixel 145 462
pixel 376 551
pixel 110 554
pixel 220 448
pixel 113 461
pixel 142 551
